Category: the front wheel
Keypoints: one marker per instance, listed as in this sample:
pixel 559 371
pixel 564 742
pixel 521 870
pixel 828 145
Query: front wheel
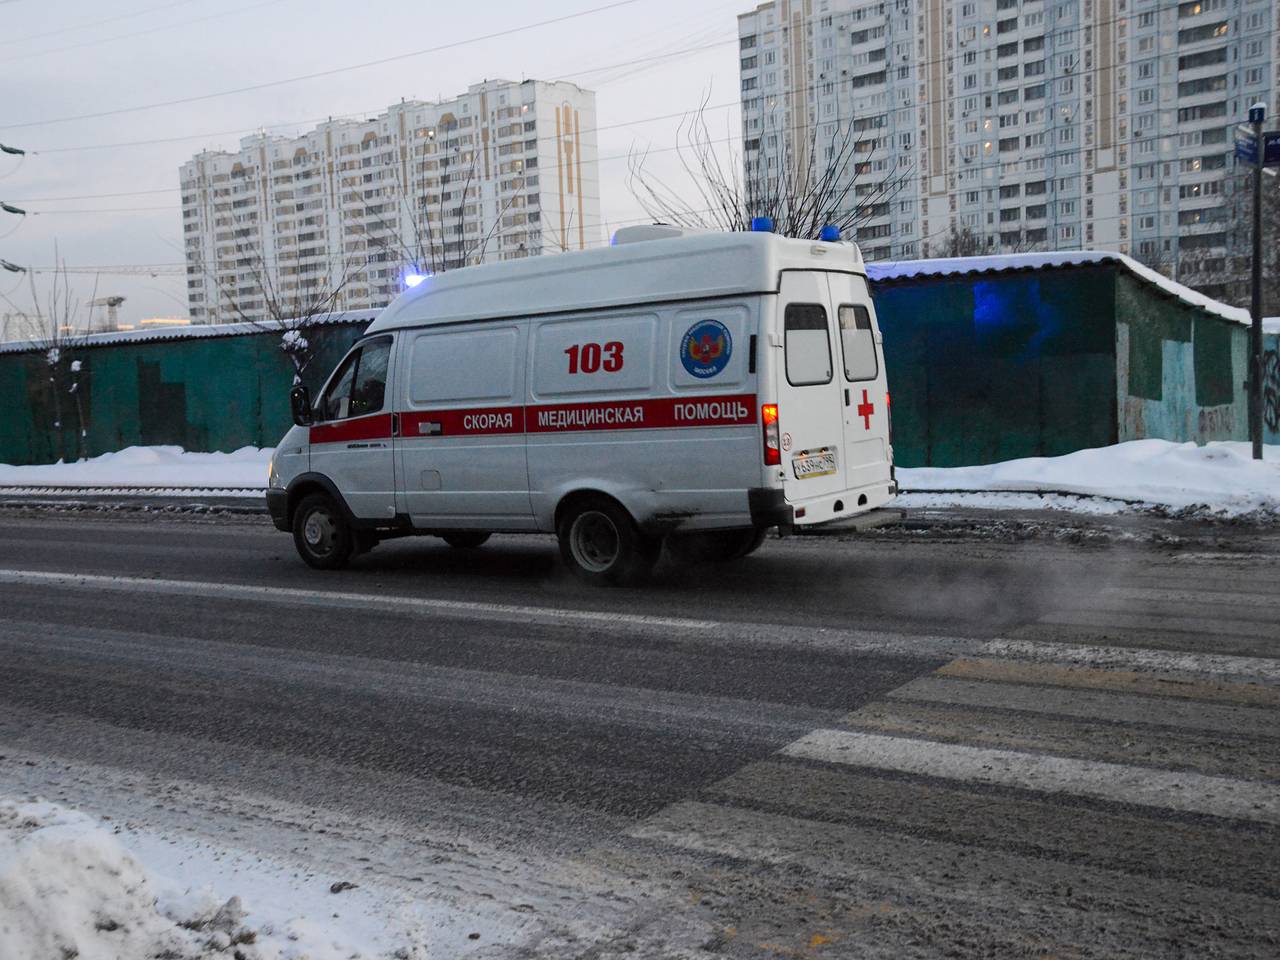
pixel 601 544
pixel 321 533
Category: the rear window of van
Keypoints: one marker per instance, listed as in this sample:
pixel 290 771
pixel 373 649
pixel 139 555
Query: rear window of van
pixel 808 348
pixel 858 343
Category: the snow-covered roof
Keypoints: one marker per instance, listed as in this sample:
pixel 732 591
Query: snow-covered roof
pixel 158 334
pixel 633 271
pixel 1005 262
pixel 1271 324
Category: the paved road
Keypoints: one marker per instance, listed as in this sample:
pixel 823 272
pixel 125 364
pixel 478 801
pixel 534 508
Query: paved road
pixel 888 748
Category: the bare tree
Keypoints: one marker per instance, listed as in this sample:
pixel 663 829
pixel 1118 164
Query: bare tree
pixel 281 298
pixel 959 242
pixel 1220 266
pixel 435 187
pixel 813 182
pixel 50 327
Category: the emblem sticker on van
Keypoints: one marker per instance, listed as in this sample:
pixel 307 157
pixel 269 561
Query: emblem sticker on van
pixel 706 348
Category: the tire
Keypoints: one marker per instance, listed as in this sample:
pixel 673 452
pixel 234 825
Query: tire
pixel 602 545
pixel 715 546
pixel 752 543
pixel 464 539
pixel 321 533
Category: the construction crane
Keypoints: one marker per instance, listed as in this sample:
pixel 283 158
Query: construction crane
pixel 122 270
pixel 112 304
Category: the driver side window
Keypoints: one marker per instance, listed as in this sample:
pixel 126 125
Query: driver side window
pixel 359 387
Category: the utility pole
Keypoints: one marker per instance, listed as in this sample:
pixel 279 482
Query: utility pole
pixel 1257 113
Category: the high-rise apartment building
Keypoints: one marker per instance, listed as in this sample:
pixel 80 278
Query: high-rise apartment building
pixel 1030 124
pixel 506 170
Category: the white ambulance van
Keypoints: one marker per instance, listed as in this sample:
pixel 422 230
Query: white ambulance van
pixel 695 389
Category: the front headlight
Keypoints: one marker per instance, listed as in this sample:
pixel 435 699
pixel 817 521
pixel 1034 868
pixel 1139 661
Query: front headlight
pixel 272 479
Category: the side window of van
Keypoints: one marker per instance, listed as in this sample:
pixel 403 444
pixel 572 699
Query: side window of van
pixel 858 343
pixel 370 390
pixel 808 348
pixel 360 385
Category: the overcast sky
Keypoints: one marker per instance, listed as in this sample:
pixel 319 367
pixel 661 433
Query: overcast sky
pixel 67 58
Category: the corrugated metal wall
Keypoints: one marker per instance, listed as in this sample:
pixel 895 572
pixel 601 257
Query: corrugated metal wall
pixel 1180 371
pixel 982 368
pixel 997 366
pixel 214 393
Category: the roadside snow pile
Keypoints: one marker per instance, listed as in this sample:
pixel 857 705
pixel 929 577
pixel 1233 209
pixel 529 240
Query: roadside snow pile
pixel 1220 478
pixel 151 467
pixel 72 887
pixel 69 889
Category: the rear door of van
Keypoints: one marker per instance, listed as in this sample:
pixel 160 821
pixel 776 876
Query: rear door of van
pixel 866 396
pixel 810 389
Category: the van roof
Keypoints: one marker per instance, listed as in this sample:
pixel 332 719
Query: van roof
pixel 677 268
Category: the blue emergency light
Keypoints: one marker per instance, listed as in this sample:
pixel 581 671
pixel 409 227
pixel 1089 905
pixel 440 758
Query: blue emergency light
pixel 830 233
pixel 762 224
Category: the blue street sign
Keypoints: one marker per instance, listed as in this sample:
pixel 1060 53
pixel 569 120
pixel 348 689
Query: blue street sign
pixel 1271 148
pixel 1246 145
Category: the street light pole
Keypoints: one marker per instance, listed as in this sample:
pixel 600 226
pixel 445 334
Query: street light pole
pixel 1257 113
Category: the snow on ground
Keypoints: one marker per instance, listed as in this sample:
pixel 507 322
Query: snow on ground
pixel 151 467
pixel 1220 477
pixel 72 886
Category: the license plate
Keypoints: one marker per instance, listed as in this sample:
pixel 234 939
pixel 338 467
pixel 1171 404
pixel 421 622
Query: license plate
pixel 814 463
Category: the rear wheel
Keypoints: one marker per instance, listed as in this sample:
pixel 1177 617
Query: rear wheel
pixel 715 546
pixel 601 544
pixel 465 539
pixel 321 533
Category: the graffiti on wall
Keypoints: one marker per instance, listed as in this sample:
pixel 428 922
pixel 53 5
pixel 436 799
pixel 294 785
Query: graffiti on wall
pixel 1271 390
pixel 1217 421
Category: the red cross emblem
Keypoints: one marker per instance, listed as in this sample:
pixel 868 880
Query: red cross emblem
pixel 865 409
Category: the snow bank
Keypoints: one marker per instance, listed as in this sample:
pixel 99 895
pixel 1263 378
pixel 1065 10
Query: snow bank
pixel 1221 477
pixel 152 467
pixel 72 887
pixel 69 889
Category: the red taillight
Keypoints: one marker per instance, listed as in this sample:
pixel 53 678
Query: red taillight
pixel 772 449
pixel 889 413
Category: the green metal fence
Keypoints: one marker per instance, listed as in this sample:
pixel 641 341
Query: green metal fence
pixel 200 393
pixel 982 367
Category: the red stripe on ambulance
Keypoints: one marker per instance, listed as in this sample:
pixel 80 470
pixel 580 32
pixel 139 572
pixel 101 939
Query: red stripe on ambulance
pixel 375 427
pixel 481 421
pixel 653 414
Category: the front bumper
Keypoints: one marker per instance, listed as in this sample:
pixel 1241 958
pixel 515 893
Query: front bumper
pixel 278 507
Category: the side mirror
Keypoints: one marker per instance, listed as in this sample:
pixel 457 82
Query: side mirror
pixel 300 405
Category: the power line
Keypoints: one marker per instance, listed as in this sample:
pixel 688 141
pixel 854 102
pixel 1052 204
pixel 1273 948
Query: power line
pixel 993 164
pixel 784 91
pixel 142 33
pixel 323 73
pixel 95 23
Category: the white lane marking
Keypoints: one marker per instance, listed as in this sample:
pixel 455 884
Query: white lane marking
pixel 248 591
pixel 1148 787
pixel 734 632
pixel 1230 598
pixel 1256 669
pixel 1085 704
